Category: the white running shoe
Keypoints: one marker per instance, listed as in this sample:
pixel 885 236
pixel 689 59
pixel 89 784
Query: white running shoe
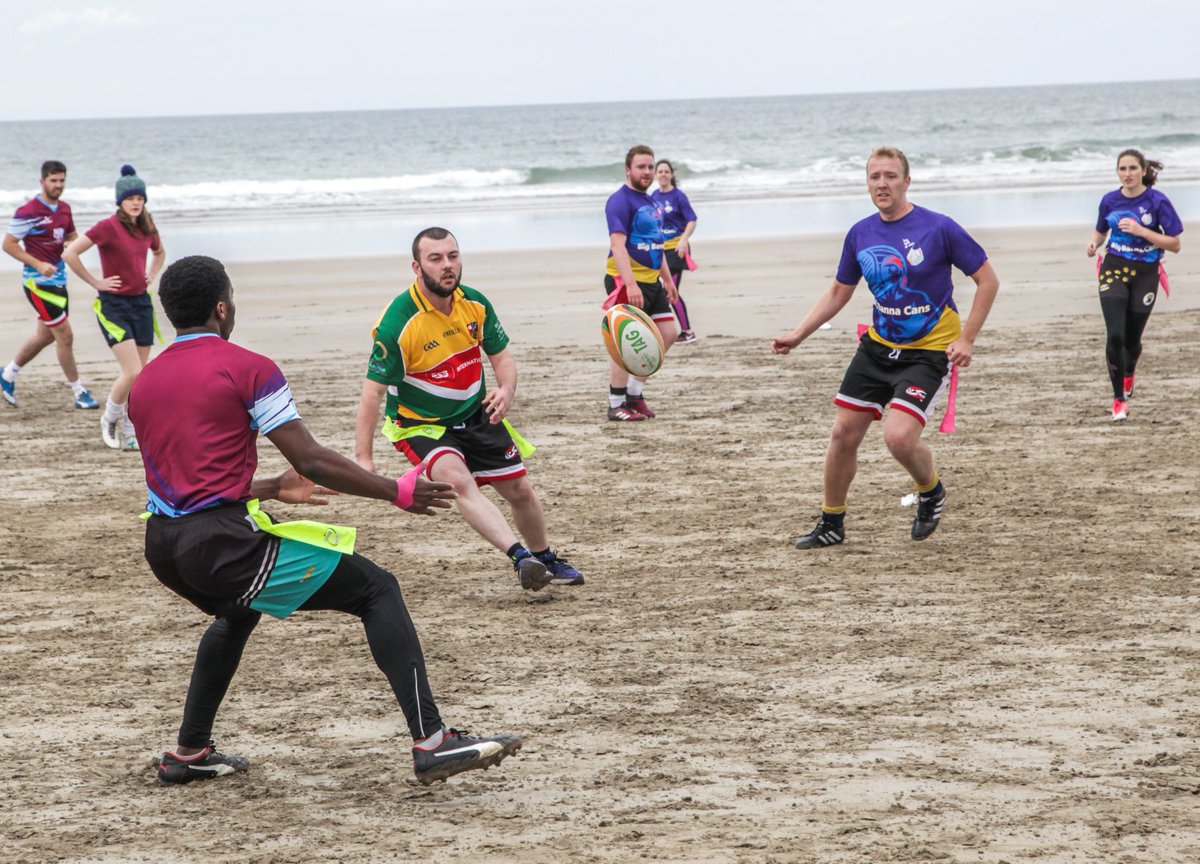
pixel 108 432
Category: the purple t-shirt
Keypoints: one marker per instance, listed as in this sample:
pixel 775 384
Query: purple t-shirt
pixel 907 266
pixel 44 230
pixel 198 408
pixel 677 212
pixel 123 254
pixel 637 216
pixel 1151 208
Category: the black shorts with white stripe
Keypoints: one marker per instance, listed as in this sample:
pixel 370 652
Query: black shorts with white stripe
pixel 907 379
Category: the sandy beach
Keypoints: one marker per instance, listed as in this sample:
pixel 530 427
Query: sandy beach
pixel 1023 686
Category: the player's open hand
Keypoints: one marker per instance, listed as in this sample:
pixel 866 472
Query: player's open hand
pixel 109 284
pixel 429 495
pixel 633 296
pixel 496 404
pixel 294 488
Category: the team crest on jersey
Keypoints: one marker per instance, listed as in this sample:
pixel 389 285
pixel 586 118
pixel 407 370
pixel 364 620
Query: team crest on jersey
pixel 915 256
pixel 59 234
pixel 473 329
pixel 1147 218
pixel 916 393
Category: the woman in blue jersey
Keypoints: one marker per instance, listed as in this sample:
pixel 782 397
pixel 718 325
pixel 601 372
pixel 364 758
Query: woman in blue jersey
pixel 679 221
pixel 1140 224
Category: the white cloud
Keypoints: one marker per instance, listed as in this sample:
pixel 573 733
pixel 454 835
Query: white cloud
pixel 92 17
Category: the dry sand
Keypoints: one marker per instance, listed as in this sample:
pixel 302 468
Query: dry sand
pixel 1023 686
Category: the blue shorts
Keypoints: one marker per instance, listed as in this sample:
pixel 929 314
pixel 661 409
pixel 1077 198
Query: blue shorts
pixel 121 317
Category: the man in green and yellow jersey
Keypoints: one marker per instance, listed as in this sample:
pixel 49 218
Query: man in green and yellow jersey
pixel 428 359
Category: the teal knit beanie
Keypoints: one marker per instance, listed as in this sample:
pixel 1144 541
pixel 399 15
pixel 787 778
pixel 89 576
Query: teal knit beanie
pixel 129 184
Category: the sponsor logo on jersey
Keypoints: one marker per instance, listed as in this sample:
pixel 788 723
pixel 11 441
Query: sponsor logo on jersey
pixel 429 346
pixel 915 392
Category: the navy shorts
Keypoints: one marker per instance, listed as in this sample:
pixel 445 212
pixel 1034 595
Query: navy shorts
pixel 487 449
pixel 122 318
pixel 908 379
pixel 654 297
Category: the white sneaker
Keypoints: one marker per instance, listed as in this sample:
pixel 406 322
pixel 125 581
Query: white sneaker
pixel 108 432
pixel 130 443
pixel 1120 410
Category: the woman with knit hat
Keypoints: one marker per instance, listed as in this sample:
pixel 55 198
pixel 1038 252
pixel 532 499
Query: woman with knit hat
pixel 124 309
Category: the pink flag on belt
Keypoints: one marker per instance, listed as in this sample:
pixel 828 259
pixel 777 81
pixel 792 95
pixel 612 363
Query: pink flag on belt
pixel 618 295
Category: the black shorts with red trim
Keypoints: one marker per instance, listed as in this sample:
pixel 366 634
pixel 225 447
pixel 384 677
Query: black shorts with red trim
pixel 654 297
pixel 48 313
pixel 907 379
pixel 487 449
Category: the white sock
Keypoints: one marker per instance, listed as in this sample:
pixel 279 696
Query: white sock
pixel 615 401
pixel 113 411
pixel 433 741
pixel 635 387
pixel 10 372
pixel 77 386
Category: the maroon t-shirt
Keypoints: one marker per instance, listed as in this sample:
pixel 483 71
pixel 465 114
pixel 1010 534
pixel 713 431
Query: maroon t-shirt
pixel 123 254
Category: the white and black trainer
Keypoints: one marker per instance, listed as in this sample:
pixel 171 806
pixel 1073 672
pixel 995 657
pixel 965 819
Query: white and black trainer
pixel 456 753
pixel 825 534
pixel 929 513
pixel 205 765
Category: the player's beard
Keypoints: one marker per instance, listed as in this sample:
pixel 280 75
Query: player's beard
pixel 638 185
pixel 435 287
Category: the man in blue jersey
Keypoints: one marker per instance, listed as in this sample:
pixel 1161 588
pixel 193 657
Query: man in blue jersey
pixel 903 361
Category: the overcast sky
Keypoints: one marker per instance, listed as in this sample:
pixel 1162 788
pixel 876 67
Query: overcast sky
pixel 116 58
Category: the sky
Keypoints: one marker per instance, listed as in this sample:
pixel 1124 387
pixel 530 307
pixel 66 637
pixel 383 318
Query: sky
pixel 117 58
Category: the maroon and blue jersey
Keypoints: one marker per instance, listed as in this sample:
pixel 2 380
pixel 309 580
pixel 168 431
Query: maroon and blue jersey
pixel 677 213
pixel 43 229
pixel 907 267
pixel 198 408
pixel 1151 209
pixel 637 216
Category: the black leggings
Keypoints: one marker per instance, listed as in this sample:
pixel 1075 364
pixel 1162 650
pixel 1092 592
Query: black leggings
pixel 1128 290
pixel 358 587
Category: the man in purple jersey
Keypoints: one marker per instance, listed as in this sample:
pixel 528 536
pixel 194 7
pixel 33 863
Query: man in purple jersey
pixel 208 541
pixel 44 224
pixel 906 254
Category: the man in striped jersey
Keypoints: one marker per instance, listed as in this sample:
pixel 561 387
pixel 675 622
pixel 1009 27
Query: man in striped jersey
pixel 428 359
pixel 208 541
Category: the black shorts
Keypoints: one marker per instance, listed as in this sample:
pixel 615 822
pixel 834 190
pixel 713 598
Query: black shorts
pixel 654 298
pixel 488 450
pixel 122 318
pixel 218 559
pixel 674 263
pixel 1135 282
pixel 911 380
pixel 50 302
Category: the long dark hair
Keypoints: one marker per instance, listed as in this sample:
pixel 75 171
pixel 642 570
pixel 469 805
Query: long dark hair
pixel 144 222
pixel 674 182
pixel 1150 168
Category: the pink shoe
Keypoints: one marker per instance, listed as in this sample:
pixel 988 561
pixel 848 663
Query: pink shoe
pixel 638 404
pixel 1120 410
pixel 625 413
pixel 1128 386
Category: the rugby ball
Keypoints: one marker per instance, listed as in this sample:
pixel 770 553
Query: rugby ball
pixel 632 340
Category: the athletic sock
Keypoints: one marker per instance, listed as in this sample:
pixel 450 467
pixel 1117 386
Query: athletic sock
pixel 77 387
pixel 10 372
pixel 128 427
pixel 113 411
pixel 934 491
pixel 543 555
pixel 433 741
pixel 635 387
pixel 516 552
pixel 834 515
pixel 616 397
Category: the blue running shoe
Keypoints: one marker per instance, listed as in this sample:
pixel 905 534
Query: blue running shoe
pixel 84 400
pixel 9 389
pixel 531 572
pixel 561 573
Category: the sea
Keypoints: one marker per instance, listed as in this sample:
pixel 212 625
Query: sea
pixel 361 183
